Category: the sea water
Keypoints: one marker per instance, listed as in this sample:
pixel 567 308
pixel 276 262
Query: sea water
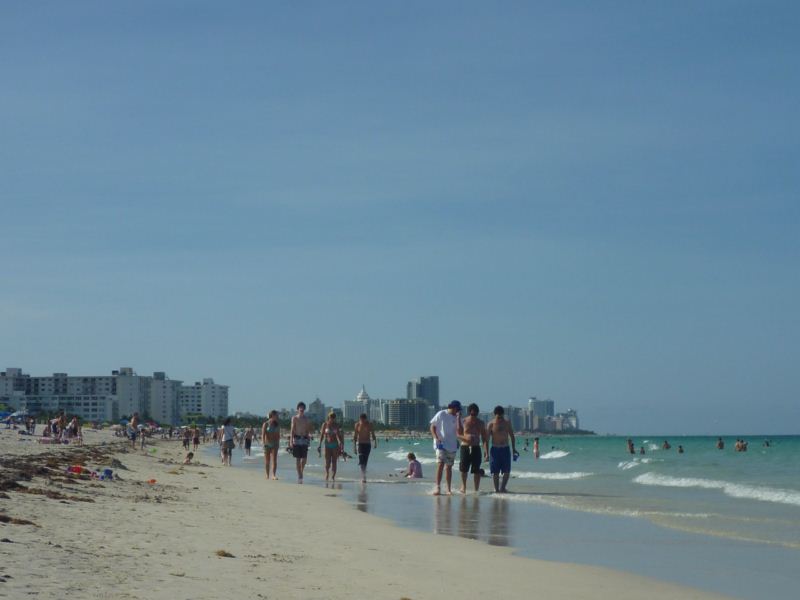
pixel 720 520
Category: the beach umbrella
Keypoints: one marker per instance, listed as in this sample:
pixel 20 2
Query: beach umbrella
pixel 20 413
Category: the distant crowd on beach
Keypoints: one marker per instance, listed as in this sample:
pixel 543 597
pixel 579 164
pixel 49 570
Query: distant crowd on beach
pixel 58 430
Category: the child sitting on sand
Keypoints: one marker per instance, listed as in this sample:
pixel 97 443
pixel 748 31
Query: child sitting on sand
pixel 189 458
pixel 414 470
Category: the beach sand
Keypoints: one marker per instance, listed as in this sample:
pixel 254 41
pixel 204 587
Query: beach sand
pixel 128 538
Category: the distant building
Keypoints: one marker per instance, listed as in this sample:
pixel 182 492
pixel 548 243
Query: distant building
pixel 110 397
pixel 205 398
pixel 374 408
pixel 317 411
pixel 541 408
pixel 424 388
pixel 408 414
pixel 516 416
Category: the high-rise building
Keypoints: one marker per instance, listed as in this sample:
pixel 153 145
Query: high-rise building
pixel 541 408
pixel 424 388
pixel 408 414
pixel 316 411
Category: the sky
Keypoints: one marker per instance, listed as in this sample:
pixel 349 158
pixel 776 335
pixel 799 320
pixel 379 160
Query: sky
pixel 593 202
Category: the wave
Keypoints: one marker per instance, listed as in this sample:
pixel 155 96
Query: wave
pixel 539 475
pixel 403 456
pixel 554 454
pixel 635 462
pixel 253 458
pixel 734 490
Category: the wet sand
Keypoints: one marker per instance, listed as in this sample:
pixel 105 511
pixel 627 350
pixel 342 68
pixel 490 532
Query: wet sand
pixel 204 531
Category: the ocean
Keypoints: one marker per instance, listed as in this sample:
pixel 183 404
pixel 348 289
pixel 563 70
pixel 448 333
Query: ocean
pixel 719 520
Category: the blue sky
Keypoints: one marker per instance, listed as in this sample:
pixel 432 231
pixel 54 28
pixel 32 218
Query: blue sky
pixel 591 202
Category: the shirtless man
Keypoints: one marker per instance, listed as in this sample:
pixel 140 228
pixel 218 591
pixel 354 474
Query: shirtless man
pixel 472 438
pixel 249 434
pixel 299 439
pixel 499 431
pixel 362 433
pixel 195 438
pixel 133 429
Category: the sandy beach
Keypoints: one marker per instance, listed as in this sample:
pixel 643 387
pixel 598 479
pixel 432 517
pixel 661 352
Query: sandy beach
pixel 63 536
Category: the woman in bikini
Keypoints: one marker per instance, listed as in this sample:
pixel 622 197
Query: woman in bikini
pixel 331 435
pixel 271 438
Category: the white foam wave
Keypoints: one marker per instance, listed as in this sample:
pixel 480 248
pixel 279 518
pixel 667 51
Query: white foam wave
pixel 735 490
pixel 539 475
pixel 630 464
pixel 403 456
pixel 554 454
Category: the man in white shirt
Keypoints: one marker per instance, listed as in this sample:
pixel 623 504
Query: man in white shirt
pixel 445 429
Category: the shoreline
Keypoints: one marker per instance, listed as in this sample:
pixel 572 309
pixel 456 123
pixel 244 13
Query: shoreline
pixel 286 540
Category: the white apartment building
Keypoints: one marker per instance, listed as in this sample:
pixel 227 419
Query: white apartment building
pixel 163 405
pixel 112 397
pixel 206 398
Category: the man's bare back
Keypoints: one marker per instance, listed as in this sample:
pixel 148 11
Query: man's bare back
pixel 363 432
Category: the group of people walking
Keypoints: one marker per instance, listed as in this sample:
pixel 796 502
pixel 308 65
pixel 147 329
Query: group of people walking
pixel 331 440
pixel 472 439
pixel 475 442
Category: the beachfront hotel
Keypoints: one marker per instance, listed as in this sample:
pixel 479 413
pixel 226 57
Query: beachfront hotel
pixel 111 397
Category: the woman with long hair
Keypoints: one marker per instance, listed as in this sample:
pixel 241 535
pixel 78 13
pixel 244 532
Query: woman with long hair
pixel 271 439
pixel 331 435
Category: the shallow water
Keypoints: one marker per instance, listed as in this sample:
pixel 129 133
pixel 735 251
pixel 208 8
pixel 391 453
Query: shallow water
pixel 716 519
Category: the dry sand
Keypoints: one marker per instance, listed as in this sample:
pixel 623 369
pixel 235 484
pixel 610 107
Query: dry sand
pixel 132 539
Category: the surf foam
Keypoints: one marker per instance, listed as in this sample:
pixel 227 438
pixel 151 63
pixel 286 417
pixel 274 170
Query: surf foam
pixel 734 490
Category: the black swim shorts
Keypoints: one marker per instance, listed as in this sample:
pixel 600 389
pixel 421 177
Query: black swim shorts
pixel 364 448
pixel 470 459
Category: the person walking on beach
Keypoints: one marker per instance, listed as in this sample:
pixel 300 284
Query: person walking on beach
pixel 472 438
pixel 133 429
pixel 195 437
pixel 228 441
pixel 248 440
pixel 299 439
pixel 499 431
pixel 362 434
pixel 445 429
pixel 330 434
pixel 271 440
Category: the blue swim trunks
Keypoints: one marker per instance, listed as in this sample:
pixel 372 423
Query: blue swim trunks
pixel 499 460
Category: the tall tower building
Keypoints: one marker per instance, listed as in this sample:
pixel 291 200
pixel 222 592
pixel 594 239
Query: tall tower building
pixel 541 408
pixel 424 388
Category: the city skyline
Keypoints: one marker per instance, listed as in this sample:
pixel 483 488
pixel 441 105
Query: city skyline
pixel 597 205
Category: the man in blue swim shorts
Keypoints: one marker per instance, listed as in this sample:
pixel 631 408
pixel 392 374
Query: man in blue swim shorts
pixel 499 431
